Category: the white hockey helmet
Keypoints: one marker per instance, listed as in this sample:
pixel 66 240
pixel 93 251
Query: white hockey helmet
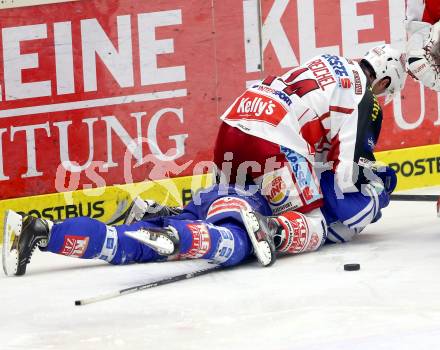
pixel 388 63
pixel 423 63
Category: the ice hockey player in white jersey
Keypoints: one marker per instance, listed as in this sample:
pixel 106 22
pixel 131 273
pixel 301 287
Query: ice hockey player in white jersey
pixel 321 117
pixel 423 45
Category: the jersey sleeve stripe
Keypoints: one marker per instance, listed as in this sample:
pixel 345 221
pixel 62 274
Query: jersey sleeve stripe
pixel 365 220
pixel 360 215
pixel 373 194
pixel 342 110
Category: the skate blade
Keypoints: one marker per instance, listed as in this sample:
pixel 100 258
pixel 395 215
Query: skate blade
pixel 11 231
pixel 262 249
pixel 159 243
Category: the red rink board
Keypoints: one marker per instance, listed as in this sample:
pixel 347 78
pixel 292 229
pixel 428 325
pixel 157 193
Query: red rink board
pixel 70 71
pixel 185 68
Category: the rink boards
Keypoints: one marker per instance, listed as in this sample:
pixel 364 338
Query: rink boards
pixel 83 81
pixel 415 167
pixel 105 203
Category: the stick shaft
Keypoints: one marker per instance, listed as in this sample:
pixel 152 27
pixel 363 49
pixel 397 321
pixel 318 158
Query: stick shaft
pixel 415 197
pixel 140 287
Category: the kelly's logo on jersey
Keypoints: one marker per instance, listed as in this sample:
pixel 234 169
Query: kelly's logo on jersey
pixel 255 106
pixel 258 107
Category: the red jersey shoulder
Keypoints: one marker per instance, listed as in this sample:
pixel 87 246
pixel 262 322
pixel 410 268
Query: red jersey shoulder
pixel 431 13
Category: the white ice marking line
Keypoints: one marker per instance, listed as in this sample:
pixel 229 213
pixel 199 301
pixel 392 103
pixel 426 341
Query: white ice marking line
pixel 110 101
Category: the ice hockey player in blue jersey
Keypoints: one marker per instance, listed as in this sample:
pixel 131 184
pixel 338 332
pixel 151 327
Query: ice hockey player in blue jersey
pixel 225 225
pixel 210 230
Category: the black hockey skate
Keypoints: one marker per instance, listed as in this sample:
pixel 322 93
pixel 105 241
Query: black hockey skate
pixel 164 241
pixel 262 231
pixel 146 209
pixel 21 235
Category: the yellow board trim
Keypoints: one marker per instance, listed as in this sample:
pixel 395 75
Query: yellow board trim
pixel 105 203
pixel 416 167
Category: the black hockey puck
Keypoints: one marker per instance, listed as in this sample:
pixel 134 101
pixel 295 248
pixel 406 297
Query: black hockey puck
pixel 352 267
pixel 77 302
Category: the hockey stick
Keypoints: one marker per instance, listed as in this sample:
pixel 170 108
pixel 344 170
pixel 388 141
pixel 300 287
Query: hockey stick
pixel 415 197
pixel 167 280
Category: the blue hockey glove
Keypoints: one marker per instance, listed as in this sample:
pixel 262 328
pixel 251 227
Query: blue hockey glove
pixel 388 177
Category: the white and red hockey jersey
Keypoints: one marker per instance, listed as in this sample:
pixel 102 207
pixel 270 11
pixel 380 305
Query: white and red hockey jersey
pixel 423 41
pixel 423 10
pixel 323 110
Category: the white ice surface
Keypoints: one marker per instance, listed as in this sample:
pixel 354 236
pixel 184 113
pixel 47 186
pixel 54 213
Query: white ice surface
pixel 302 302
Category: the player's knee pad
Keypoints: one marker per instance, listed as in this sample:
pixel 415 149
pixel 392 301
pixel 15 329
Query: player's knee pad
pixel 234 245
pixel 300 233
pixel 227 209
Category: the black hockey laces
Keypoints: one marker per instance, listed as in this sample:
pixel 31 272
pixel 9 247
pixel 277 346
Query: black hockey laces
pixel 433 59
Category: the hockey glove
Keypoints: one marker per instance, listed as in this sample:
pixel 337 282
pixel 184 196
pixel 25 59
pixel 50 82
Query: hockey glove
pixel 388 177
pixel 388 182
